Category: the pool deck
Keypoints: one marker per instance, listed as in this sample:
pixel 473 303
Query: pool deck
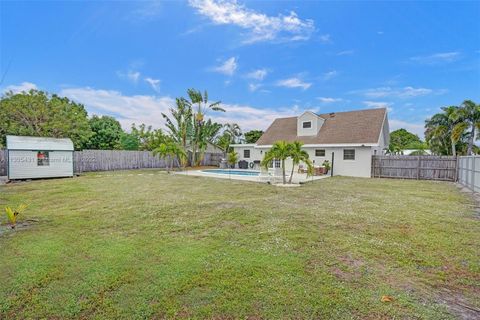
pixel 297 177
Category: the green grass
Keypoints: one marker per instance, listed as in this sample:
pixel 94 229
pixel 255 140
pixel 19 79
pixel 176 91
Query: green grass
pixel 164 246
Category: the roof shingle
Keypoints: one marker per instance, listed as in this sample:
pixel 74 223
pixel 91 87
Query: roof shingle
pixel 362 126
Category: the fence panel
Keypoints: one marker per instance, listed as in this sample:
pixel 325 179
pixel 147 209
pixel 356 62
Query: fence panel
pixel 3 162
pixel 107 160
pixel 469 172
pixel 442 168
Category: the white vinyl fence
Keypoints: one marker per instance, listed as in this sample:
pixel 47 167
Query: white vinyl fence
pixel 469 172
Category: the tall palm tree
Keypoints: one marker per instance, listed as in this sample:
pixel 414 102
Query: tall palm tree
pixel 207 134
pixel 439 129
pixel 200 107
pixel 469 112
pixel 298 155
pixel 180 125
pixel 279 151
pixel 234 131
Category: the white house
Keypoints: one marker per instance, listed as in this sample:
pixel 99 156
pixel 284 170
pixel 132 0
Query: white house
pixel 348 139
pixel 39 157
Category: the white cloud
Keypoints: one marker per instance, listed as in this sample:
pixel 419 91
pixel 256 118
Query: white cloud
pixel 148 109
pixel 260 27
pixel 379 104
pixel 132 76
pixel 253 86
pixel 325 38
pixel 380 32
pixel 345 53
pixel 22 87
pixel 405 92
pixel 330 74
pixel 154 83
pixel 228 67
pixel 329 100
pixel 417 128
pixel 294 83
pixel 258 74
pixel 437 58
pixel 127 109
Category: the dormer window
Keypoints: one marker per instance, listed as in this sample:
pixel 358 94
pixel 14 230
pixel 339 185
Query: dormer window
pixel 307 125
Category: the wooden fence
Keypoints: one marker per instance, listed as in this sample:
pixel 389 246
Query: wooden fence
pixel 442 168
pixel 107 160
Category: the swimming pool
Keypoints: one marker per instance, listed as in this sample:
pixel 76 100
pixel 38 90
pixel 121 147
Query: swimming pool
pixel 232 172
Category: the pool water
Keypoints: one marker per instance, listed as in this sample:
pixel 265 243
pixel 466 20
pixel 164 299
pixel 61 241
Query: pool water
pixel 232 172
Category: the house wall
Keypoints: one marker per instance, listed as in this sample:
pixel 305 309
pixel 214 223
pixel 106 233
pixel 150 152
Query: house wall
pixel 23 165
pixel 360 167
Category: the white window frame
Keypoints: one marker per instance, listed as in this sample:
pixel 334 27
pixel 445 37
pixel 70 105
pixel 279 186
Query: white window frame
pixel 324 153
pixel 249 153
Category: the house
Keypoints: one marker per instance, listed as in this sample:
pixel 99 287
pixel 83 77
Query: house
pixel 346 139
pixel 39 157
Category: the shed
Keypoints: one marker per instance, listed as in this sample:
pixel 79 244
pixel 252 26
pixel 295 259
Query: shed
pixel 39 157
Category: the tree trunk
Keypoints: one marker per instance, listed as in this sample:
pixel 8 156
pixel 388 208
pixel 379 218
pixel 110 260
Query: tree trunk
pixel 454 149
pixel 291 173
pixel 168 164
pixel 283 172
pixel 470 141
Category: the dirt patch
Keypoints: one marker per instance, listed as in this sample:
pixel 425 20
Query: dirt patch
pixel 20 226
pixel 457 305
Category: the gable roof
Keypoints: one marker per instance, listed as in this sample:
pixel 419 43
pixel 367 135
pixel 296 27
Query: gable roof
pixel 39 143
pixel 362 126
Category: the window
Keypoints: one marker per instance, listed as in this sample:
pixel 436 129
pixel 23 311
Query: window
pixel 42 158
pixel 246 153
pixel 348 154
pixel 307 124
pixel 277 163
pixel 320 153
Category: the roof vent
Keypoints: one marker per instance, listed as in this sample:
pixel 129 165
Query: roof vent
pixel 332 114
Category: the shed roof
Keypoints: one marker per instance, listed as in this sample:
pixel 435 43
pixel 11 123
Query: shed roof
pixel 361 126
pixel 39 143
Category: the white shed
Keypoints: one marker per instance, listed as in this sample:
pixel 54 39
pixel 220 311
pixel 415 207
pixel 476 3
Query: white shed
pixel 39 157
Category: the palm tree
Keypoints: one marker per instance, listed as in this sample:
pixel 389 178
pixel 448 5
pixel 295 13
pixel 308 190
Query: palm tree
pixel 169 150
pixel 232 158
pixel 202 107
pixel 279 151
pixel 298 155
pixel 180 126
pixel 469 112
pixel 206 134
pixel 231 135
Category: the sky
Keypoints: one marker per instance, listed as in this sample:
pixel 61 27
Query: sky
pixel 262 59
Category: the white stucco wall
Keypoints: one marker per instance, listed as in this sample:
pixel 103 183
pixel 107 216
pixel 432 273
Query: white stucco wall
pixel 23 165
pixel 360 167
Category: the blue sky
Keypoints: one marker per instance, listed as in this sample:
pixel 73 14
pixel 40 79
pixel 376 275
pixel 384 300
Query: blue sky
pixel 262 59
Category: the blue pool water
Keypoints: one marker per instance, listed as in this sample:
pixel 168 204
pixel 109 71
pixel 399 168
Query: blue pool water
pixel 232 172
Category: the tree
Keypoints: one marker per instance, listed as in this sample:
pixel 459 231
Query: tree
pixel 280 151
pixel 401 138
pixel 128 141
pixel 298 155
pixel 36 113
pixel 469 113
pixel 169 150
pixel 252 136
pixel 232 158
pixel 107 132
pixel 200 107
pixel 148 138
pixel 180 124
pixel 231 135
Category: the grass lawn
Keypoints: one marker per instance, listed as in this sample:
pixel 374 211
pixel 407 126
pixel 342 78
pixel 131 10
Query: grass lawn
pixel 123 245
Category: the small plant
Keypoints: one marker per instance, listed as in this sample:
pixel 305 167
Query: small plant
pixel 327 166
pixel 13 213
pixel 232 158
